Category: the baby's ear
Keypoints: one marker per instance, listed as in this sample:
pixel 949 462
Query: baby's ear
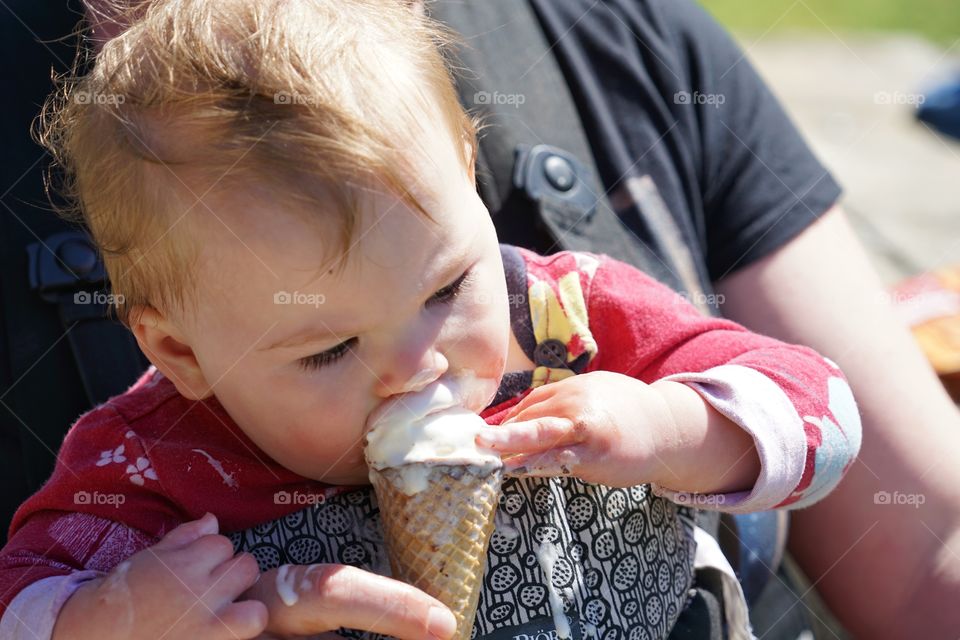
pixel 166 347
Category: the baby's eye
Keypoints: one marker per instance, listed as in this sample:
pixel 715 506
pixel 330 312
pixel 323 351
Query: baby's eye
pixel 450 292
pixel 329 356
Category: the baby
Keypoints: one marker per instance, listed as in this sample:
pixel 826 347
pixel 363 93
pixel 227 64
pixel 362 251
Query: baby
pixel 284 195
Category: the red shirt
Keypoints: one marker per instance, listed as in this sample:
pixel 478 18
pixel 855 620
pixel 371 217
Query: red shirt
pixel 151 459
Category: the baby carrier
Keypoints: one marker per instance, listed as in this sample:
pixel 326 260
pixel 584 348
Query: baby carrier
pixel 539 180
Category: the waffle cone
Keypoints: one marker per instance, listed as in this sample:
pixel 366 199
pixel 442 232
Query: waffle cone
pixel 437 538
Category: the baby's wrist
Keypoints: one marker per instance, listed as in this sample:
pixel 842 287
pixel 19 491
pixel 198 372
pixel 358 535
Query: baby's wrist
pixel 677 445
pixel 707 453
pixel 77 619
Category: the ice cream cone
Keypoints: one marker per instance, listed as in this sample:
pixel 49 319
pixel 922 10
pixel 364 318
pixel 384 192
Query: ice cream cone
pixel 437 537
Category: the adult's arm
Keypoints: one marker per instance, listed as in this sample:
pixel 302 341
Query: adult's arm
pixel 886 570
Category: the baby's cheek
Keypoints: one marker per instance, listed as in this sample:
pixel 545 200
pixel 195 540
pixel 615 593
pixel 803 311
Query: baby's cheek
pixel 325 446
pixel 482 348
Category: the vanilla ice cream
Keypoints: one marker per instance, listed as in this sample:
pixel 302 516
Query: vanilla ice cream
pixel 436 425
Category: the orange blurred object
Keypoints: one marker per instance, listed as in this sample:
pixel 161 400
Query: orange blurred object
pixel 930 305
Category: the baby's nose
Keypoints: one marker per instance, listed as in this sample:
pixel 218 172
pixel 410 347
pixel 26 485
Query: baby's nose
pixel 409 379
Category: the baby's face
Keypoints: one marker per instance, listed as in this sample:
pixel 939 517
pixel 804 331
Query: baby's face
pixel 300 362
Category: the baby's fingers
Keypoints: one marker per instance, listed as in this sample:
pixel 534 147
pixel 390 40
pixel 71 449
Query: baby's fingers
pixel 531 436
pixel 189 532
pixel 562 462
pixel 236 575
pixel 242 620
pixel 536 403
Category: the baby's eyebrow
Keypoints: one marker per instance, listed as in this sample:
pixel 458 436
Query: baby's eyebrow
pixel 307 336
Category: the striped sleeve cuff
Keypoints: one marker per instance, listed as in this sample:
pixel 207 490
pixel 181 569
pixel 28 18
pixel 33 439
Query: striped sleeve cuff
pixel 33 613
pixel 761 408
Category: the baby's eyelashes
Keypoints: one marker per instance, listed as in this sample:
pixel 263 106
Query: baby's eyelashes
pixel 450 292
pixel 319 360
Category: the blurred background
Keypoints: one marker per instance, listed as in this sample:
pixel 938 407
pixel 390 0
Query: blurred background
pixel 852 73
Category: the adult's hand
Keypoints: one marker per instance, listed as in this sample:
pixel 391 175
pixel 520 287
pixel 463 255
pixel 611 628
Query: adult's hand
pixel 885 570
pixel 309 600
pixel 185 586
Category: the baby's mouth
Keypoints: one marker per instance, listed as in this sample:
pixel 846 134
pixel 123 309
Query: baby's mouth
pixel 437 425
pixel 463 389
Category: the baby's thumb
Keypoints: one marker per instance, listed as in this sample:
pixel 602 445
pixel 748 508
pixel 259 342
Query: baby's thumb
pixel 189 531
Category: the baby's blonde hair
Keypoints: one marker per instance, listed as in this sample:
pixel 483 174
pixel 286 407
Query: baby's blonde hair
pixel 239 94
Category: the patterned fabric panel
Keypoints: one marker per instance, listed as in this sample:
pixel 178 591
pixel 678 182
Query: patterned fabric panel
pixel 623 557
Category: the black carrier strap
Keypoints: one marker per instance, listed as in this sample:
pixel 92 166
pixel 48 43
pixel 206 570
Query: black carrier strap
pixel 537 175
pixel 66 270
pixel 535 148
pixel 536 170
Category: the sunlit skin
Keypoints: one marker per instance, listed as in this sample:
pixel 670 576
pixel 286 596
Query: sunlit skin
pixel 301 380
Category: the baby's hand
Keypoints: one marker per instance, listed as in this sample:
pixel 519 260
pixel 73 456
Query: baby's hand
pixel 602 427
pixel 306 600
pixel 185 586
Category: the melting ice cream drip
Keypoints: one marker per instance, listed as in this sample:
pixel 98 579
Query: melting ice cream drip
pixel 547 556
pixel 285 586
pixel 117 592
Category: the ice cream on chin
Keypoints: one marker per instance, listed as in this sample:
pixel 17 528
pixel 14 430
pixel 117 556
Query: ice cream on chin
pixel 436 425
